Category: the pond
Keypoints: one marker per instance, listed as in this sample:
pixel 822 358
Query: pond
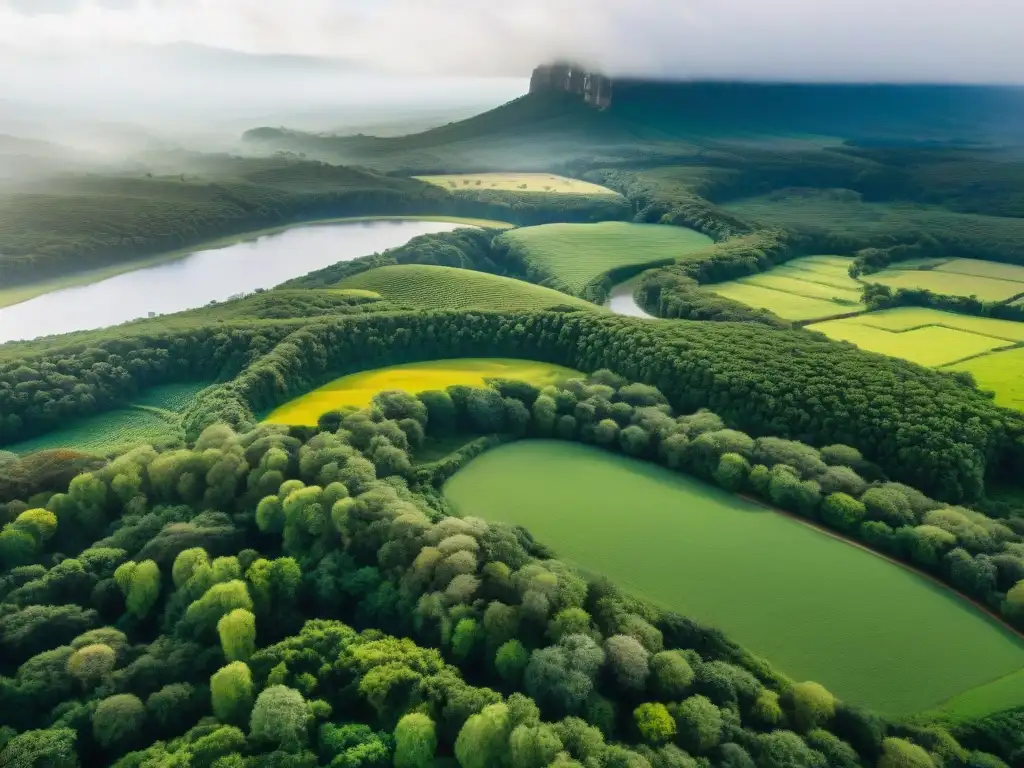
pixel 205 276
pixel 621 301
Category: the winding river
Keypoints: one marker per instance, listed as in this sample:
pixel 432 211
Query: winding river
pixel 205 276
pixel 621 301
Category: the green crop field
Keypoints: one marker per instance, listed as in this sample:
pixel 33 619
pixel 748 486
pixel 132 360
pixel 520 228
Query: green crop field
pixel 985 347
pixel 991 269
pixel 810 288
pixel 1000 372
pixel 1003 694
pixel 359 388
pixel 151 417
pixel 517 182
pixel 818 608
pixel 575 254
pixel 948 283
pixel 932 345
pixel 431 287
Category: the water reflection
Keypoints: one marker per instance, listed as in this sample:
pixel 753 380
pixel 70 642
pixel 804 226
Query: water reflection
pixel 205 276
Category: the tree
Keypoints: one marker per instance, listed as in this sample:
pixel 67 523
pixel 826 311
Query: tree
pixel 627 659
pixel 732 471
pixel 173 707
pixel 186 564
pixel 699 724
pixel 280 717
pixel 784 749
pixel 483 740
pixel 119 721
pixel 202 615
pixel 563 675
pixel 40 524
pixel 1013 605
pixel 654 722
pixel 767 712
pixel 511 660
pixel 140 584
pixel 634 440
pixel 231 692
pixel 813 705
pixel 842 511
pixel 92 663
pixel 671 675
pixel 533 746
pixel 237 631
pixel 52 748
pixel 899 753
pixel 415 741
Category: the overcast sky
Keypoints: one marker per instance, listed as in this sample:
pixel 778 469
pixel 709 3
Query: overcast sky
pixel 892 40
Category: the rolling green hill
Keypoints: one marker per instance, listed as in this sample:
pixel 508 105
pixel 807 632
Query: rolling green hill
pixel 431 287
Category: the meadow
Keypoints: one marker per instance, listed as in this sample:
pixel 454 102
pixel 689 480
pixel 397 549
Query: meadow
pixel 809 288
pixel 434 287
pixel 517 182
pixel 936 279
pixel 153 417
pixel 987 348
pixel 574 255
pixel 818 608
pixel 358 389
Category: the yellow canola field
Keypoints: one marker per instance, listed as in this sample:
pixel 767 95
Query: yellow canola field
pixel 358 389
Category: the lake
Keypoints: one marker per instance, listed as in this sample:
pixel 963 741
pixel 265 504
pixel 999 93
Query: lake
pixel 205 276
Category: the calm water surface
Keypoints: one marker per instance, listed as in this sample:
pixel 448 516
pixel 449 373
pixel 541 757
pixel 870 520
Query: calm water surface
pixel 621 301
pixel 205 276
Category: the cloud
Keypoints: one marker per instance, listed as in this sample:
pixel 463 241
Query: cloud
pixel 889 40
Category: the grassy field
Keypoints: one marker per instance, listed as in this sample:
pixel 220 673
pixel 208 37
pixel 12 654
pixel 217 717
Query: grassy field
pixel 431 287
pixel 816 607
pixel 575 254
pixel 1000 372
pixel 152 417
pixel 517 182
pixel 986 347
pixel 810 288
pixel 1001 694
pixel 359 388
pixel 952 283
pixel 19 293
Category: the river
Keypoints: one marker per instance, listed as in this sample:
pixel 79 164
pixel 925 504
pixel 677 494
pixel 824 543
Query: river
pixel 205 276
pixel 621 301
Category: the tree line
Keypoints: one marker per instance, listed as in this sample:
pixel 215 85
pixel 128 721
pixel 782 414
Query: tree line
pixel 239 603
pixel 922 427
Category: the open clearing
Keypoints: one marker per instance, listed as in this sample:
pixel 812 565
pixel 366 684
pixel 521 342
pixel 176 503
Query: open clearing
pixel 517 182
pixel 153 417
pixel 871 631
pixel 359 388
pixel 431 287
pixel 986 347
pixel 809 288
pixel 576 254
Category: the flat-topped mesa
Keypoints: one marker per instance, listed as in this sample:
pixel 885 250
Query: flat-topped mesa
pixel 595 88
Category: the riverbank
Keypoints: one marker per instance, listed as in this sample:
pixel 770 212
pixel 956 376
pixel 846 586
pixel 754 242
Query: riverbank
pixel 21 293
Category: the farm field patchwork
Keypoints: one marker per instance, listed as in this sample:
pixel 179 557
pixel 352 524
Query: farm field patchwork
pixel 575 254
pixel 517 182
pixel 818 608
pixel 948 283
pixel 358 389
pixel 152 417
pixel 932 345
pixel 809 288
pixel 905 318
pixel 433 287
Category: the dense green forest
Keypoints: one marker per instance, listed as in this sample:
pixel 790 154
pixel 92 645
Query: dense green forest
pixel 167 632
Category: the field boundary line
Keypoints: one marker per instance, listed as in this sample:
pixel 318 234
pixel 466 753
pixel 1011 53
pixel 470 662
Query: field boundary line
pixel 908 566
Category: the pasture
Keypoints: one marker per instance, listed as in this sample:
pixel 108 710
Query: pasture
pixel 358 389
pixel 573 255
pixel 431 287
pixel 816 607
pixel 544 183
pixel 809 288
pixel 153 417
pixel 949 283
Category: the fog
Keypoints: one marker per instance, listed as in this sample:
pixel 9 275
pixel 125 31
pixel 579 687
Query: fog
pixel 888 40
